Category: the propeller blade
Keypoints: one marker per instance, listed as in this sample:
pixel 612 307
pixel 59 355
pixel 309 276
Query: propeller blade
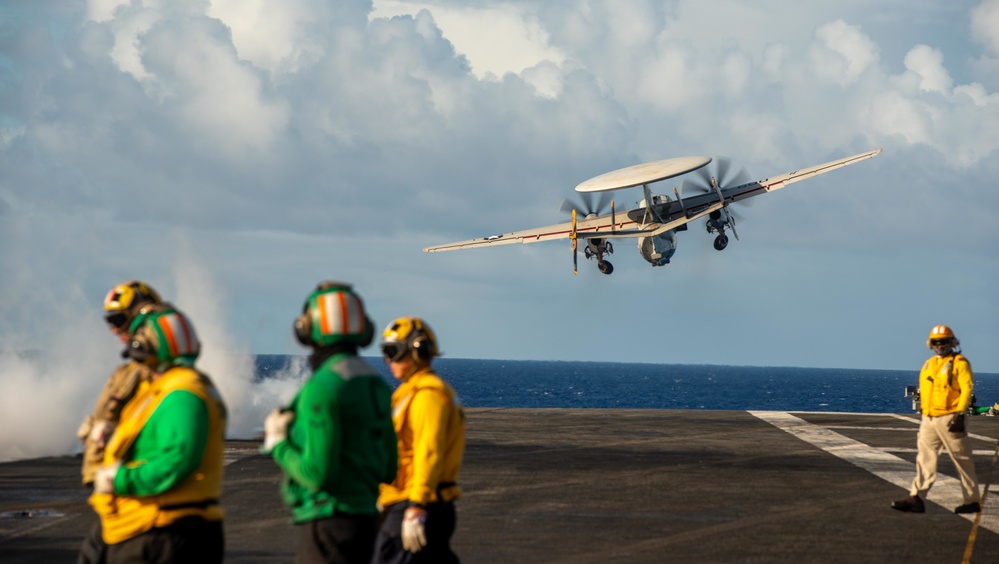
pixel 572 236
pixel 732 222
pixel 697 183
pixel 585 204
pixel 721 172
pixel 724 164
pixel 740 178
pixel 704 175
pixel 602 200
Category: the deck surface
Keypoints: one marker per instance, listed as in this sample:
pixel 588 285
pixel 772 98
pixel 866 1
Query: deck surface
pixel 599 485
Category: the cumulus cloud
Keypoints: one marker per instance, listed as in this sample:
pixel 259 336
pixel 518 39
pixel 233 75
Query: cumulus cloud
pixel 927 63
pixel 282 38
pixel 843 52
pixel 499 38
pixel 296 141
pixel 985 25
pixel 187 65
pixel 103 10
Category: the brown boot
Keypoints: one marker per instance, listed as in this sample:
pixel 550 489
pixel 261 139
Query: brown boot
pixel 912 504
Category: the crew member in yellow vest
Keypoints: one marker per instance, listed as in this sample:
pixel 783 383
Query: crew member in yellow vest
pixel 122 306
pixel 418 517
pixel 946 384
pixel 158 492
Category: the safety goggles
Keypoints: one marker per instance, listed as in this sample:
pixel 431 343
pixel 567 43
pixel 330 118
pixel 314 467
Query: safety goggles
pixel 939 342
pixel 116 319
pixel 394 351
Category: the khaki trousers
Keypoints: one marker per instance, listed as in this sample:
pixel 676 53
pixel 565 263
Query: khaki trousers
pixel 933 435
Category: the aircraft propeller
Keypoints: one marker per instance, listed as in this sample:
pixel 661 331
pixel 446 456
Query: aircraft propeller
pixel 585 205
pixel 572 237
pixel 718 176
pixel 718 171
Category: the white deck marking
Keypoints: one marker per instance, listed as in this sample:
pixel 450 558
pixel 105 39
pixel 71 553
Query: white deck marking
pixel 913 450
pixel 946 491
pixel 859 427
pixel 916 422
pixel 233 454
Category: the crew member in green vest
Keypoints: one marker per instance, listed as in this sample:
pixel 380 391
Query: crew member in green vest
pixel 158 491
pixel 335 440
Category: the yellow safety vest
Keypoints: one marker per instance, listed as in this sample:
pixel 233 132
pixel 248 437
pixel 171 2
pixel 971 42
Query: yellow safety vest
pixel 126 516
pixel 430 424
pixel 945 385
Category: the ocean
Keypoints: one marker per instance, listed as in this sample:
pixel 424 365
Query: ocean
pixel 565 384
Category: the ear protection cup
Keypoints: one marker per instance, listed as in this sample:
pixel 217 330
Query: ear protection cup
pixel 423 348
pixel 412 333
pixel 141 349
pixel 166 338
pixel 303 329
pixel 369 332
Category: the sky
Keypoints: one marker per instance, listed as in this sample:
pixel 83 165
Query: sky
pixel 235 153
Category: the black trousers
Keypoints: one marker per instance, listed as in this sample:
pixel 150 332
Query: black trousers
pixel 188 540
pixel 93 551
pixel 340 539
pixel 441 521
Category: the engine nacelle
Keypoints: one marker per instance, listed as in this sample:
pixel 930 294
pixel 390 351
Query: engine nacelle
pixel 659 248
pixel 718 220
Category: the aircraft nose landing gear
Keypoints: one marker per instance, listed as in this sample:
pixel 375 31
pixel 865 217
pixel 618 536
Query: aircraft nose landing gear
pixel 597 248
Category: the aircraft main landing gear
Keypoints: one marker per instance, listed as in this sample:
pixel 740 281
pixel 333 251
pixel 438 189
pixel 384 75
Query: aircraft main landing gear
pixel 721 242
pixel 605 266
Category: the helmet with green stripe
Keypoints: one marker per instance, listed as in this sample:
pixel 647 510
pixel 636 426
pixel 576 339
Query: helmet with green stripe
pixel 165 338
pixel 333 314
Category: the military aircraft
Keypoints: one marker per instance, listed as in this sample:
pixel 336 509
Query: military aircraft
pixel 657 219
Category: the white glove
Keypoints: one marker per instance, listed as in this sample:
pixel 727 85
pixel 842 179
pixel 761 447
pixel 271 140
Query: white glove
pixel 276 428
pixel 99 433
pixel 83 431
pixel 414 535
pixel 104 477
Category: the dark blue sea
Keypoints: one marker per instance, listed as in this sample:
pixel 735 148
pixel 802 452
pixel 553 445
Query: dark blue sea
pixel 560 384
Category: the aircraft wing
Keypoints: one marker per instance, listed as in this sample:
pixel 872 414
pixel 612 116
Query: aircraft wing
pixel 777 182
pixel 783 180
pixel 616 225
pixel 550 233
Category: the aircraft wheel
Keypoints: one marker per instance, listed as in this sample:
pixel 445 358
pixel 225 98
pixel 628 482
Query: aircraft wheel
pixel 605 267
pixel 721 242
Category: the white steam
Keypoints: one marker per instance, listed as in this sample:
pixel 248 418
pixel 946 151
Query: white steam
pixel 64 378
pixel 47 392
pixel 227 361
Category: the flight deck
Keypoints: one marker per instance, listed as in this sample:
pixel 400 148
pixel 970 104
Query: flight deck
pixel 612 485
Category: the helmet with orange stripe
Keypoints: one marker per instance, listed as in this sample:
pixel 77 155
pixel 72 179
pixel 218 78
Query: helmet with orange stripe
pixel 163 339
pixel 333 314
